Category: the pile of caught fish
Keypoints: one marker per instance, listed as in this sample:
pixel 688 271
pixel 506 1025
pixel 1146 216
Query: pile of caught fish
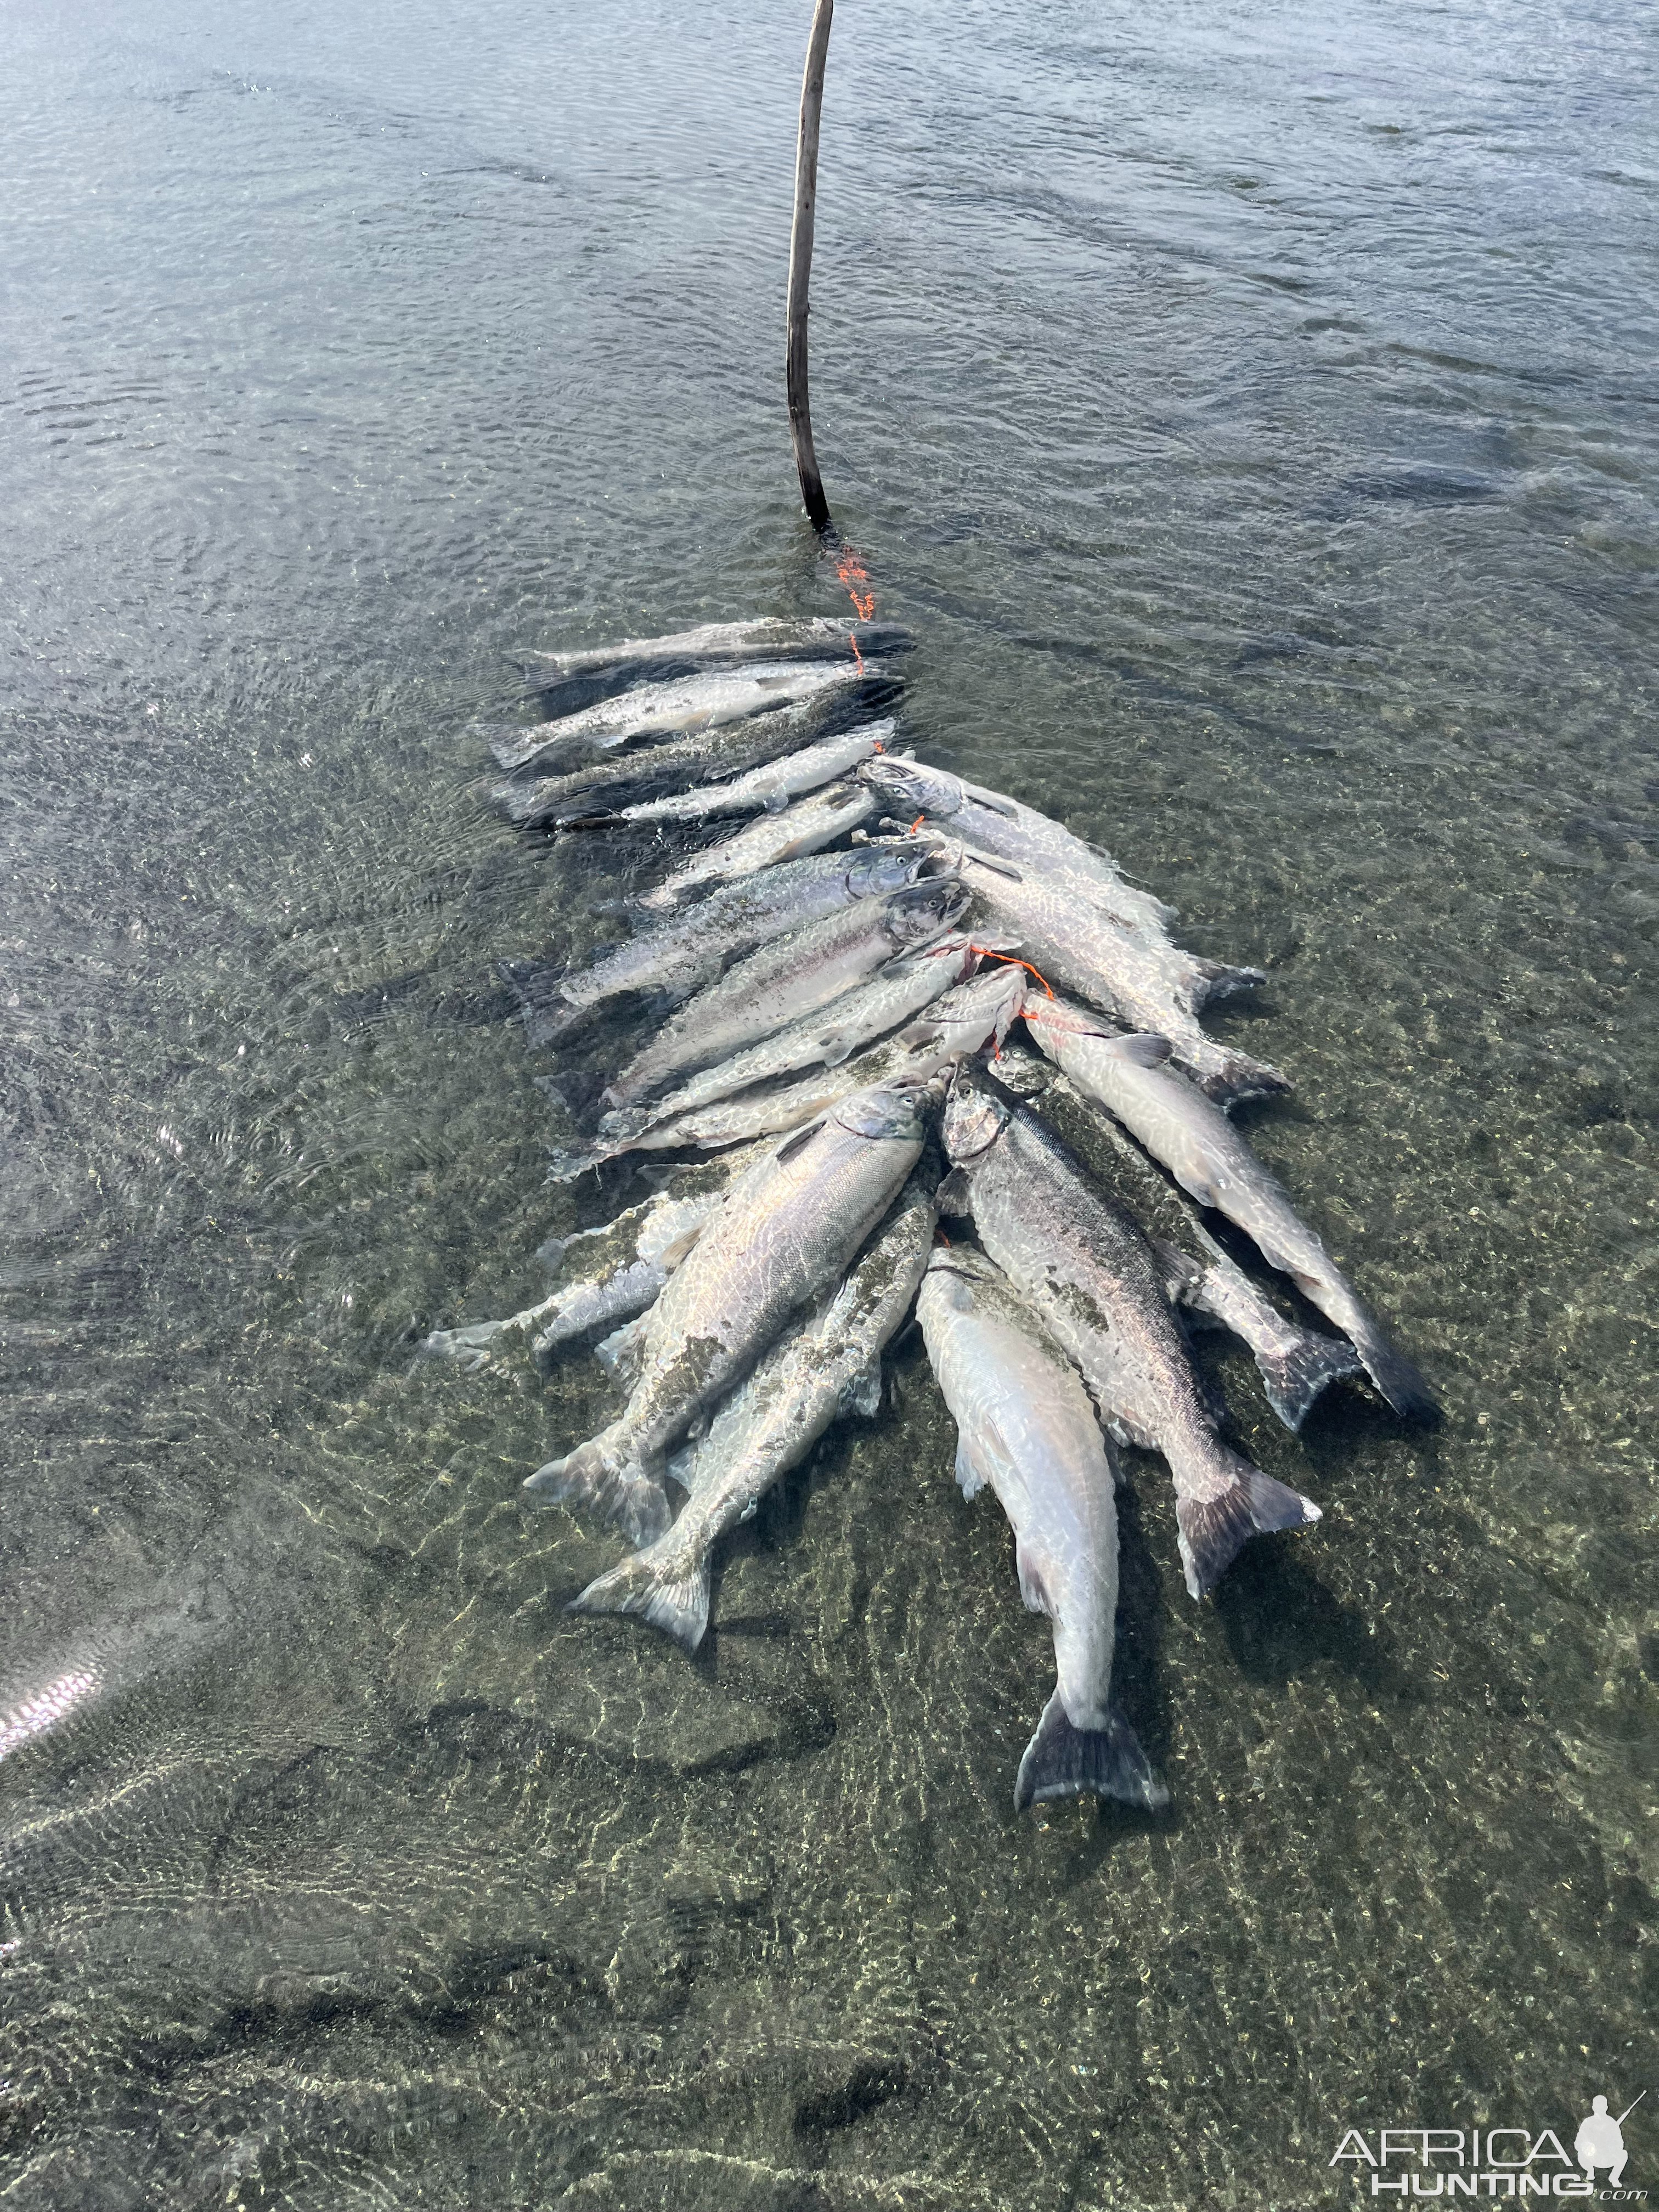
pixel 873 995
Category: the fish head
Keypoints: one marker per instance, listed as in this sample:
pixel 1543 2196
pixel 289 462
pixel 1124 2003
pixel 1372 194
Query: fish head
pixel 899 1111
pixel 887 864
pixel 993 997
pixel 919 912
pixel 912 790
pixel 975 1116
pixel 958 948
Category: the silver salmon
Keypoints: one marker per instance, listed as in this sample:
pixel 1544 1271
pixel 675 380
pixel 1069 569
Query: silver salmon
pixel 895 993
pixel 625 1264
pixel 829 1366
pixel 585 796
pixel 1146 986
pixel 605 1274
pixel 766 637
pixel 1295 1363
pixel 693 948
pixel 770 788
pixel 789 976
pixel 787 1229
pixel 961 1021
pixel 1211 1159
pixel 1025 1426
pixel 993 822
pixel 808 826
pixel 674 708
pixel 1084 1263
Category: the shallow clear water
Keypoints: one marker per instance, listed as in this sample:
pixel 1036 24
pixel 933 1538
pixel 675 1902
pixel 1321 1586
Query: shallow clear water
pixel 1253 414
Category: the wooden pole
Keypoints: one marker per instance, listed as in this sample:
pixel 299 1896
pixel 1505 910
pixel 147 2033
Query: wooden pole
pixel 801 266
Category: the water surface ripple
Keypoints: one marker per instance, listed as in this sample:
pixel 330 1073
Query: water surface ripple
pixel 1253 414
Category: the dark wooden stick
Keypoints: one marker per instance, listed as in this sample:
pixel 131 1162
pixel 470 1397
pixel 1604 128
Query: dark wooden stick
pixel 801 266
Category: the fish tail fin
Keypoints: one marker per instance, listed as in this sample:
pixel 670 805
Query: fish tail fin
pixel 620 1353
pixel 538 987
pixel 622 1124
pixel 661 1586
pixel 1229 1076
pixel 1214 979
pixel 625 1091
pixel 1212 1531
pixel 1294 1374
pixel 1063 1761
pixel 611 1482
pixel 566 1162
pixel 1399 1380
pixel 525 802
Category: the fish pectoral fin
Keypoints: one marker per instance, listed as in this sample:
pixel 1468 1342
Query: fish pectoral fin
pixel 970 1479
pixel 1183 1279
pixel 953 1195
pixel 863 1394
pixel 1032 1587
pixel 671 1254
pixel 797 1141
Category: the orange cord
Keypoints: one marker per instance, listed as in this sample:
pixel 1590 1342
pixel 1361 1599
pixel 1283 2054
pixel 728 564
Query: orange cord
pixel 852 573
pixel 1068 1029
pixel 1013 960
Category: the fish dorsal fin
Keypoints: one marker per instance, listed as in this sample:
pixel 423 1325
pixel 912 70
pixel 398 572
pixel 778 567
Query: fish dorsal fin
pixel 1142 1050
